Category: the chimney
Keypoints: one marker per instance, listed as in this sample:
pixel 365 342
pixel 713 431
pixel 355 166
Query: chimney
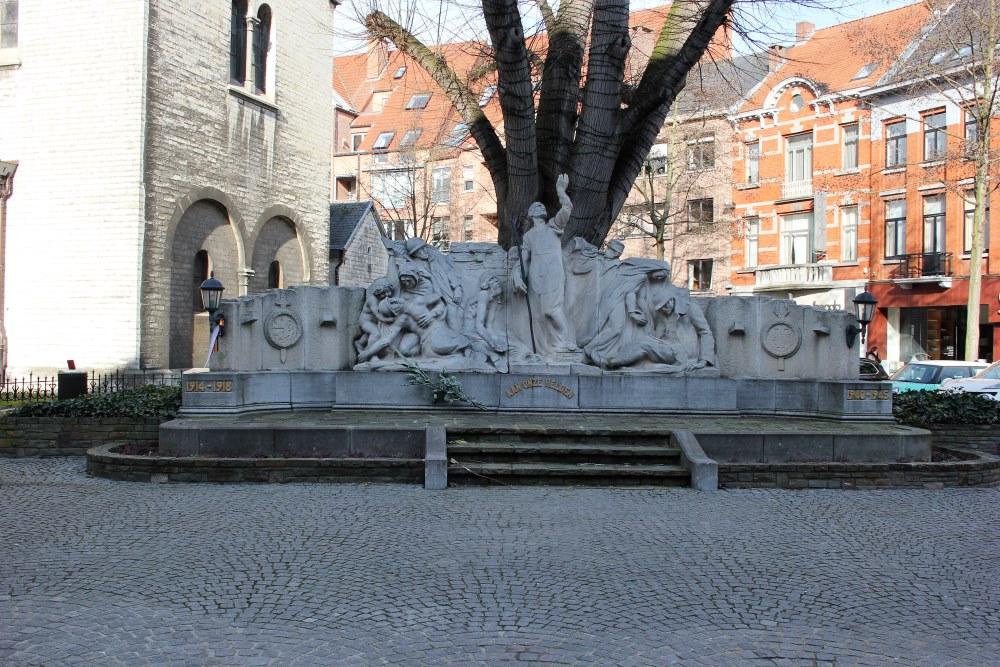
pixel 803 31
pixel 378 57
pixel 775 57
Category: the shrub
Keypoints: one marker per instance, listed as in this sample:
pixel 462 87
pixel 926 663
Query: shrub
pixel 952 407
pixel 150 401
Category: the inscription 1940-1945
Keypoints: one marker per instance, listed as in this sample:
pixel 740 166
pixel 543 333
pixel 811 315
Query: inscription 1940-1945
pixel 212 385
pixel 533 383
pixel 868 394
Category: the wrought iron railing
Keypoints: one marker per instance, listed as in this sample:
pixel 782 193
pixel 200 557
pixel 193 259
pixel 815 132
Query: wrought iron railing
pixel 924 264
pixel 40 387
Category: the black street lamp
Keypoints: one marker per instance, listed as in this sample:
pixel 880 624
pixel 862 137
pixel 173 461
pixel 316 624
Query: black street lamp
pixel 864 310
pixel 211 296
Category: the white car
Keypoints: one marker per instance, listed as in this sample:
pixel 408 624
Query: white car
pixel 986 382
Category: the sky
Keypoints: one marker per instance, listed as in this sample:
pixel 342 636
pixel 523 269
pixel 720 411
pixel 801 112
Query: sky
pixel 773 22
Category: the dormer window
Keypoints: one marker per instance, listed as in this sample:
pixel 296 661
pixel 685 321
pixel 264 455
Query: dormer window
pixel 457 135
pixel 419 101
pixel 410 138
pixel 865 71
pixel 383 140
pixel 487 95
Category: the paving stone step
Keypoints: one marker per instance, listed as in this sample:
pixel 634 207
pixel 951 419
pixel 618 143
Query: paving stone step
pixel 506 452
pixel 565 437
pixel 586 474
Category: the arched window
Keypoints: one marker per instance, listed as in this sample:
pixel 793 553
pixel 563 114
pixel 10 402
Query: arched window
pixel 274 275
pixel 238 42
pixel 202 269
pixel 261 45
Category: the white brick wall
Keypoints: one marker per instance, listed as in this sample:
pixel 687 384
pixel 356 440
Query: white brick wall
pixel 201 134
pixel 119 111
pixel 72 116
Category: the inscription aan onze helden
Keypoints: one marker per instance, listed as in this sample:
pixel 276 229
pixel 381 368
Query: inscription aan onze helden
pixel 536 383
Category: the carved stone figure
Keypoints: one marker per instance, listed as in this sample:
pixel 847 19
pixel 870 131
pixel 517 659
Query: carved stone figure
pixel 541 252
pixel 481 315
pixel 444 276
pixel 378 320
pixel 645 322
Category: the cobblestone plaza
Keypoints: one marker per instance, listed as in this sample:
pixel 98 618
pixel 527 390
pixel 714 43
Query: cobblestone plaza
pixel 94 572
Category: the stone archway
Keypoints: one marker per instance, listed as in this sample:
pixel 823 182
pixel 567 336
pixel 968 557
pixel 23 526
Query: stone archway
pixel 204 241
pixel 276 243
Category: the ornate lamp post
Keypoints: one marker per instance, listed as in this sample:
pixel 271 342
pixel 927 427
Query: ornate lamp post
pixel 211 295
pixel 864 310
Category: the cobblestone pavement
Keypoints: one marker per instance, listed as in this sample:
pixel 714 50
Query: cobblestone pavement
pixel 94 572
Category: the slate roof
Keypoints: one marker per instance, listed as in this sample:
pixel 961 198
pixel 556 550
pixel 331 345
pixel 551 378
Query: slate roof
pixel 346 219
pixel 835 58
pixel 952 38
pixel 721 85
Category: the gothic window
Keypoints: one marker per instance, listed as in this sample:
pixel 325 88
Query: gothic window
pixel 261 46
pixel 238 42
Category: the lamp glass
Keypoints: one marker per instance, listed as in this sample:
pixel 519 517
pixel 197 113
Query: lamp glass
pixel 864 307
pixel 211 293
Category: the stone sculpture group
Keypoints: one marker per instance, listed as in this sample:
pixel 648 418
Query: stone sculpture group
pixel 544 303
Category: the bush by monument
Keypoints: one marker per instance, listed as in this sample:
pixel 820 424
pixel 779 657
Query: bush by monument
pixel 151 401
pixel 918 408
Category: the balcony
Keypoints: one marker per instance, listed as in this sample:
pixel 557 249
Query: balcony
pixel 797 189
pixel 923 267
pixel 796 276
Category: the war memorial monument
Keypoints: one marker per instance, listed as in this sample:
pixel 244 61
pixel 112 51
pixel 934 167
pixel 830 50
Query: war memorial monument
pixel 557 339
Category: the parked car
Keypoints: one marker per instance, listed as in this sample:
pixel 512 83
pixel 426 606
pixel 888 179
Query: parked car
pixel 930 374
pixel 985 382
pixel 872 371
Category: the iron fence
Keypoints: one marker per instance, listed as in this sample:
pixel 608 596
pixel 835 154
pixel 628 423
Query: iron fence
pixel 40 387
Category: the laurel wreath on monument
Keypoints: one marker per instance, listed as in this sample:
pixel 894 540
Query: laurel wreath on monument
pixel 444 388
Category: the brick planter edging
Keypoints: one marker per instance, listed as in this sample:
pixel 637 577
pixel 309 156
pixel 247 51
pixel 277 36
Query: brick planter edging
pixel 103 462
pixel 980 437
pixel 72 436
pixel 981 470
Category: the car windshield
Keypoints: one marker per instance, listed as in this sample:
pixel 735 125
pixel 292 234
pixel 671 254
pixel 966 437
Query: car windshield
pixel 915 373
pixel 990 373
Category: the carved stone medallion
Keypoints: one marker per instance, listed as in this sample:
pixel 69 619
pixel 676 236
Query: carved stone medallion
pixel 282 329
pixel 781 339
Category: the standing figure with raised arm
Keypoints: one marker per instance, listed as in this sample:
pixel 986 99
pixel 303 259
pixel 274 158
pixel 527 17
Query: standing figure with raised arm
pixel 541 250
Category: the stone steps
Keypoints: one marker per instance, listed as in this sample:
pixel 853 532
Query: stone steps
pixel 562 459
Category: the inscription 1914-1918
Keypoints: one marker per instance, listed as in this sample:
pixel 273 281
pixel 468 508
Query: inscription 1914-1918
pixel 212 385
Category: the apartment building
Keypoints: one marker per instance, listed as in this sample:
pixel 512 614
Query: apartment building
pixel 851 175
pixel 681 207
pixel 190 138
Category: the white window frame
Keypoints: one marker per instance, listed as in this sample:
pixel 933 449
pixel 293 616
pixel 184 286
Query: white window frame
pixel 751 256
pixel 753 162
pixel 969 212
pixel 796 228
pixel 468 181
pixel 850 153
pixel 895 228
pixel 850 220
pixel 441 185
pixel 701 154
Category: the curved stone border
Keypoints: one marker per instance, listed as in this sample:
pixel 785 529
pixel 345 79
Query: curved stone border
pixel 102 461
pixel 979 470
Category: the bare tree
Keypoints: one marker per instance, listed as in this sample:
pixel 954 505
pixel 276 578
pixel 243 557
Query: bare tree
pixel 596 126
